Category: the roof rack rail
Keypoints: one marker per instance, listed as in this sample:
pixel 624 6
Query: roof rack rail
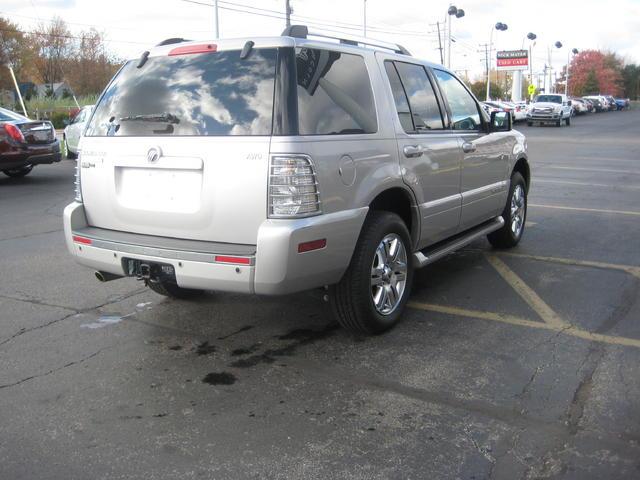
pixel 302 31
pixel 170 41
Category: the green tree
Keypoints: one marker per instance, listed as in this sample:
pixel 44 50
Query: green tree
pixel 479 89
pixel 591 85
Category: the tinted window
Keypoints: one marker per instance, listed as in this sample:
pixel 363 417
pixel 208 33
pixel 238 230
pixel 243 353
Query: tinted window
pixel 400 98
pixel 464 110
pixel 203 94
pixel 422 99
pixel 334 93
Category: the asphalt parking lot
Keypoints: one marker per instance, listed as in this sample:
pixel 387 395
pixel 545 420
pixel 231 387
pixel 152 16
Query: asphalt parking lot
pixel 518 365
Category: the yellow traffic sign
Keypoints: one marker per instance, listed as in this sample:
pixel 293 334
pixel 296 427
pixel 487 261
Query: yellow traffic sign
pixel 531 89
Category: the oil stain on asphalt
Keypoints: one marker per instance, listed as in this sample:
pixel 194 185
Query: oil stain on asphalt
pixel 219 378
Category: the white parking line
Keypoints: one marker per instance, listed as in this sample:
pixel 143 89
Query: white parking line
pixel 608 170
pixel 586 184
pixel 581 209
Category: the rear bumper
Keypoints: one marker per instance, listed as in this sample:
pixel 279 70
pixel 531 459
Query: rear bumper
pixel 16 157
pixel 274 265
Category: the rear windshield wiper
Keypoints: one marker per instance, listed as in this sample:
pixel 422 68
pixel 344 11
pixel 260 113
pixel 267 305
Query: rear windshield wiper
pixel 160 117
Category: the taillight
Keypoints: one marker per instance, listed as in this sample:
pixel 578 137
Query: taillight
pixel 77 183
pixel 293 187
pixel 14 132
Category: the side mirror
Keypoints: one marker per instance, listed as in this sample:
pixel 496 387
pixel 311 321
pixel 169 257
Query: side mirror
pixel 500 122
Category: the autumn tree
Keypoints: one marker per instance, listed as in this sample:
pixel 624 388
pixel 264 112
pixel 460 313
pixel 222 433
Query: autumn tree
pixel 91 67
pixel 14 51
pixel 53 44
pixel 593 69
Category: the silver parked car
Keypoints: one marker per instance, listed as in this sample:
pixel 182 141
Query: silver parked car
pixel 73 131
pixel 276 165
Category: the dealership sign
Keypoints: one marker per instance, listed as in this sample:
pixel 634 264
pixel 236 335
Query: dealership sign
pixel 513 60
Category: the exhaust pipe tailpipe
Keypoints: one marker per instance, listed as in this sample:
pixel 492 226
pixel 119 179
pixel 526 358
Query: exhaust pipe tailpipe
pixel 106 276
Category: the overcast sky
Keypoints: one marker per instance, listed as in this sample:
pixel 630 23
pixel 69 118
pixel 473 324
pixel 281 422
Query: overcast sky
pixel 132 26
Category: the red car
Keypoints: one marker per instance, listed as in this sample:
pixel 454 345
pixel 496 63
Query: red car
pixel 25 143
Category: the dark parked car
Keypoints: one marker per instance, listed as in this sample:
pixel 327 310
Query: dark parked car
pixel 25 143
pixel 597 105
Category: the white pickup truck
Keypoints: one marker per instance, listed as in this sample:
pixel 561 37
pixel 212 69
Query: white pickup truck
pixel 551 108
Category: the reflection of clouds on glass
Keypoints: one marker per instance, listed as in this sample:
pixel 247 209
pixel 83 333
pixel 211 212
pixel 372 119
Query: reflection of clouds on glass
pixel 211 94
pixel 261 103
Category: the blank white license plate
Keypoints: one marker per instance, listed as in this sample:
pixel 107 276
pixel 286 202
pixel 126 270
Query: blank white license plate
pixel 159 189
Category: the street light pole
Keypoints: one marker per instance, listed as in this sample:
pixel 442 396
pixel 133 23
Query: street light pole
pixel 566 81
pixel 459 13
pixel 498 26
pixel 551 86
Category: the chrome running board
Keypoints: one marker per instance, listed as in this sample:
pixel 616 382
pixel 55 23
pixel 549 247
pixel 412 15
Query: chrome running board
pixel 436 252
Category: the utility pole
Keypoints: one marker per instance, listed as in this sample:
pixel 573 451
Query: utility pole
pixel 15 82
pixel 288 13
pixel 215 14
pixel 440 44
pixel 364 18
pixel 486 47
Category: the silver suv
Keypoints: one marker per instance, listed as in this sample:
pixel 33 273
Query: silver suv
pixel 275 165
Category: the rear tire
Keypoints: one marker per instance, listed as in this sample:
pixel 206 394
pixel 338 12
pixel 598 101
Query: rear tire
pixel 374 290
pixel 70 155
pixel 18 172
pixel 514 214
pixel 173 291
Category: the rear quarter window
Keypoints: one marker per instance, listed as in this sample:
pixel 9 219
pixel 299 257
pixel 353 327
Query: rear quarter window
pixel 334 93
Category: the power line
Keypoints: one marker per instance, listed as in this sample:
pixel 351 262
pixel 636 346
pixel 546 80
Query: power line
pixel 310 20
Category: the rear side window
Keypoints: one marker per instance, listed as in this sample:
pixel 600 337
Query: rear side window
pixel 464 109
pixel 414 96
pixel 334 93
pixel 184 95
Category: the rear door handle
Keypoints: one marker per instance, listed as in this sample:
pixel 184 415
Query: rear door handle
pixel 413 151
pixel 468 147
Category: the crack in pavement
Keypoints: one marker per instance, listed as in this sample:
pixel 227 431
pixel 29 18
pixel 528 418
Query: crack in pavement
pixel 29 235
pixel 73 312
pixel 53 370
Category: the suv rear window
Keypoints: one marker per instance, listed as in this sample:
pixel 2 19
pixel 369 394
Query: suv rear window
pixel 203 94
pixel 334 93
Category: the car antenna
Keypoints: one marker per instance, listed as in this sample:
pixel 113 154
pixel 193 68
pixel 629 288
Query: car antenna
pixel 246 50
pixel 143 59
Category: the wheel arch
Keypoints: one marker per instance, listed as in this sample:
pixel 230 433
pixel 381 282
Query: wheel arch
pixel 400 201
pixel 522 167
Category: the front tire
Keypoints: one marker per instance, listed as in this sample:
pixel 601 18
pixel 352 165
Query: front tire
pixel 18 172
pixel 173 291
pixel 514 214
pixel 529 124
pixel 374 290
pixel 568 121
pixel 559 123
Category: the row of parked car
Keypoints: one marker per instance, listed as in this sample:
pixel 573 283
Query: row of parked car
pixel 556 108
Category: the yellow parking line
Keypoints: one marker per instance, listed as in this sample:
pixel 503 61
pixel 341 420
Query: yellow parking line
pixel 545 312
pixel 522 322
pixel 580 209
pixel 631 270
pixel 608 170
